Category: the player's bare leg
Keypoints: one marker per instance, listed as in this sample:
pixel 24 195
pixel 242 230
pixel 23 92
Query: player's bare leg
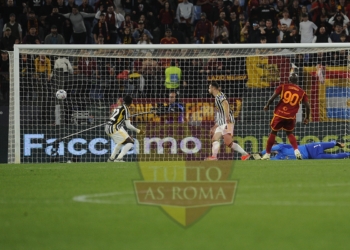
pixel 294 144
pixel 269 145
pixel 115 152
pixel 215 147
pixel 229 143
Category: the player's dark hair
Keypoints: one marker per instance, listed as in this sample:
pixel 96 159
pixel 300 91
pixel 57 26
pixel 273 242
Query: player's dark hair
pixel 293 77
pixel 127 100
pixel 215 85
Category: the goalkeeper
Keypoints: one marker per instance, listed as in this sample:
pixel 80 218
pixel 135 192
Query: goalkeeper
pixel 174 112
pixel 114 129
pixel 314 150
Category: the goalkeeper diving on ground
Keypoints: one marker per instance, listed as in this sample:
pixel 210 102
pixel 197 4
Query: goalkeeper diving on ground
pixel 114 129
pixel 314 150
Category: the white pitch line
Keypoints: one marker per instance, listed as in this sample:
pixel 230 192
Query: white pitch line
pixel 89 198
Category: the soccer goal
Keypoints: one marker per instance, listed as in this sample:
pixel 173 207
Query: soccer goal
pixel 95 77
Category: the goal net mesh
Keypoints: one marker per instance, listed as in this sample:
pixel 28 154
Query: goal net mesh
pixel 95 78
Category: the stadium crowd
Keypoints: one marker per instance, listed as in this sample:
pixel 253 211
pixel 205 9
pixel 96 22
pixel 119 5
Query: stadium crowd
pixel 172 21
pixel 162 22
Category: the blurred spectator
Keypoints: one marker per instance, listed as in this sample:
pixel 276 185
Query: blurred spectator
pixel 286 20
pixel 42 66
pixel 203 30
pixel 44 29
pixel 339 18
pixel 215 13
pixel 145 39
pixel 126 37
pixel 173 76
pixel 342 6
pixel 150 71
pixel 271 33
pixel 253 33
pixel 32 21
pixel 140 31
pixel 178 34
pixel 127 6
pixel 141 7
pixel 192 77
pixel 335 36
pixel 290 36
pixel 263 40
pixel 67 30
pixel 4 78
pixel 319 58
pixel 54 37
pixel 237 8
pixel 129 23
pixel 26 73
pixel 9 9
pixel 70 4
pixel 322 36
pixel 46 9
pixel 213 65
pixel 185 18
pixel 35 6
pixel 16 28
pixel 222 17
pixel 104 3
pixel 166 17
pixel 304 11
pixel 294 12
pixel 32 37
pixel 85 7
pixel 307 29
pixel 324 23
pixel 206 6
pixel 316 9
pixel 100 39
pixel 62 8
pixel 104 28
pixel 77 20
pixel 221 30
pixel 113 20
pixel 7 41
pixel 279 9
pixel 266 11
pixel 56 19
pixel 236 35
pixel 168 39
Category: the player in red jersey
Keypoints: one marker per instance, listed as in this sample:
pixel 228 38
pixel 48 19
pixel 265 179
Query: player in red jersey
pixel 284 116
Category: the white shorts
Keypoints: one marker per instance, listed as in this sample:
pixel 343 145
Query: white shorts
pixel 225 129
pixel 119 136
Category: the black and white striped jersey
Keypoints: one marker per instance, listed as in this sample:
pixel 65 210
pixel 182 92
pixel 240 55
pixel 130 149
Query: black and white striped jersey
pixel 220 114
pixel 117 119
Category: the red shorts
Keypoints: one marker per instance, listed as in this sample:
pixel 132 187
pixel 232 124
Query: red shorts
pixel 278 123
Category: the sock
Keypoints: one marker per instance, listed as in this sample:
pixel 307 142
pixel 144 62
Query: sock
pixel 270 143
pixel 238 148
pixel 115 151
pixel 293 141
pixel 125 150
pixel 215 148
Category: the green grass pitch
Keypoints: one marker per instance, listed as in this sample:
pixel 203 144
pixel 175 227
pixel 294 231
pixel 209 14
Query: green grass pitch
pixel 278 205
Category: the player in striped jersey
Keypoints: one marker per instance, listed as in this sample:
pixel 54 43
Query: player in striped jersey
pixel 224 124
pixel 114 128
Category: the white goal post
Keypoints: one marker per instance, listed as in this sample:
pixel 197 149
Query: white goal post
pixel 98 75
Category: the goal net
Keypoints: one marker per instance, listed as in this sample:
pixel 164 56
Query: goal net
pixel 95 77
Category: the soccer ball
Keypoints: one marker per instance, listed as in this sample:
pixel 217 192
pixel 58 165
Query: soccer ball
pixel 61 94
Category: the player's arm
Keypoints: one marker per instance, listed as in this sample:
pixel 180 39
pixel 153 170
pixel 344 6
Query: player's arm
pixel 131 127
pixel 226 111
pixel 272 98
